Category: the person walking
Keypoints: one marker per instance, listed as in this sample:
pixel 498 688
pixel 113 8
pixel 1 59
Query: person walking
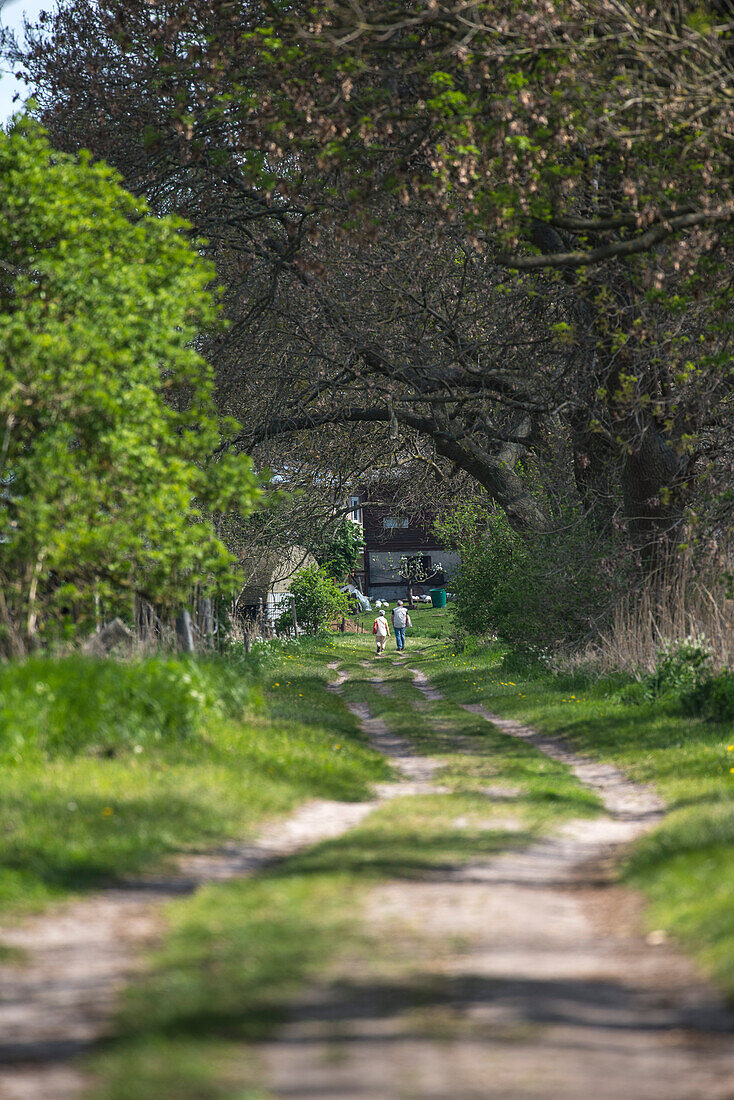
pixel 381 630
pixel 400 619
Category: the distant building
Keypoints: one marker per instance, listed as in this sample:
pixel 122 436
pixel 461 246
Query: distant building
pixel 268 578
pixel 391 535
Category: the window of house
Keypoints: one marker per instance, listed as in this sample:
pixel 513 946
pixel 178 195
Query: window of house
pixel 390 523
pixel 355 513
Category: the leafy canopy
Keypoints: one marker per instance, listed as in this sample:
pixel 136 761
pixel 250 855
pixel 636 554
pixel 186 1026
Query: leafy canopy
pixel 341 552
pixel 107 422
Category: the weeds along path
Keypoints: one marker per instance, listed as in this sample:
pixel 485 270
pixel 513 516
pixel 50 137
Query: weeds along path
pixel 58 1000
pixel 516 977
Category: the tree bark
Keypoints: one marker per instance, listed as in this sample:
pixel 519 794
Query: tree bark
pixel 595 471
pixel 656 484
pixel 184 632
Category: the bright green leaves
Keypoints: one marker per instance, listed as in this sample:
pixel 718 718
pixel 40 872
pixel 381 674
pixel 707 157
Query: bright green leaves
pixel 564 332
pixel 448 100
pixel 516 81
pixel 342 550
pixel 317 599
pixel 107 422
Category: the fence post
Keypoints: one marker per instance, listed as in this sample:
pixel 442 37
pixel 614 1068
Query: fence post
pixel 295 620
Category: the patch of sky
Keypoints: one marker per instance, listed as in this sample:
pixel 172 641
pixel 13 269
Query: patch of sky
pixel 12 14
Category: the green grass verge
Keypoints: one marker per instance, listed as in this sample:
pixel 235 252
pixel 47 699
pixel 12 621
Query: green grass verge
pixel 166 756
pixel 475 755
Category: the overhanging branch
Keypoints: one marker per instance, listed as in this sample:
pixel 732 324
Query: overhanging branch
pixel 644 243
pixel 494 473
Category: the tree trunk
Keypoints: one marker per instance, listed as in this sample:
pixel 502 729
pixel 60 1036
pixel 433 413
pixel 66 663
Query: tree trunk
pixel 184 632
pixel 595 471
pixel 655 492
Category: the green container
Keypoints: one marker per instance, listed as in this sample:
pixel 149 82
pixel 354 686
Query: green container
pixel 438 596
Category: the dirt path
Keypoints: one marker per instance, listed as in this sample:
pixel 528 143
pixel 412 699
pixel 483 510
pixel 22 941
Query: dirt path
pixel 416 771
pixel 77 957
pixel 518 977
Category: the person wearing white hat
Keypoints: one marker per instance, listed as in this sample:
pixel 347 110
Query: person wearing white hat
pixel 381 631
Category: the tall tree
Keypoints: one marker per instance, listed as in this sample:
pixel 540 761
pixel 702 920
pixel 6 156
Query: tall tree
pixel 577 152
pixel 107 424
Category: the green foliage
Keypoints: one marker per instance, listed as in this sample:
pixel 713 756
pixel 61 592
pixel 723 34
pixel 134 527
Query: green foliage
pixel 131 762
pixel 539 591
pixel 341 553
pixel 79 704
pixel 712 697
pixel 681 668
pixel 681 665
pixel 318 599
pixel 107 422
pixel 488 547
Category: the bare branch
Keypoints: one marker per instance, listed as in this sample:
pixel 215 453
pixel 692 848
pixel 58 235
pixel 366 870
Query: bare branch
pixel 644 243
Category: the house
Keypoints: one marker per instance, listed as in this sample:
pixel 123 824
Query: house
pixel 268 578
pixel 391 535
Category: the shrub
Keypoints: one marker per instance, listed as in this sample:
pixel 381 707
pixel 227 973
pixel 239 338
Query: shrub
pixel 682 669
pixel 712 698
pixel 681 665
pixel 489 549
pixel 108 411
pixel 544 590
pixel 342 551
pixel 721 697
pixel 318 599
pixel 78 704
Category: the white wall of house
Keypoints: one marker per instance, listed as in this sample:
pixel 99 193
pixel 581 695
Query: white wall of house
pixel 270 579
